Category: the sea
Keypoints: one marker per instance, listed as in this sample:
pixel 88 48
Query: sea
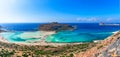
pixel 84 32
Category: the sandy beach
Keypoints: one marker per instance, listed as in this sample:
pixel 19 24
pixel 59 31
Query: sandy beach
pixel 3 40
pixel 39 42
pixel 42 35
pixel 89 53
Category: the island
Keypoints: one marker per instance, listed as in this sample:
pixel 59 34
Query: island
pixel 55 26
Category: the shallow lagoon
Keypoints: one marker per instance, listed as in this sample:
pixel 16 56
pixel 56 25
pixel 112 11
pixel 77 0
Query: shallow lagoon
pixel 63 36
pixel 69 36
pixel 21 36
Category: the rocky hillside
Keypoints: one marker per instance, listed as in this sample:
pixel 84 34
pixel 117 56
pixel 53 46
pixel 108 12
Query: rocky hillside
pixel 106 48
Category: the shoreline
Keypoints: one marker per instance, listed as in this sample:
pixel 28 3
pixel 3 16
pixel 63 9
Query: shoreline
pixel 101 46
pixel 42 40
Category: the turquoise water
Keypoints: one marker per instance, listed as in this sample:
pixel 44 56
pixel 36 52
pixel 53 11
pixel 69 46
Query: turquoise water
pixel 68 36
pixel 16 37
pixel 85 32
pixel 61 37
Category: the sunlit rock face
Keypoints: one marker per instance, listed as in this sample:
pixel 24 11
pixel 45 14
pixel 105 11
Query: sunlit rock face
pixel 54 26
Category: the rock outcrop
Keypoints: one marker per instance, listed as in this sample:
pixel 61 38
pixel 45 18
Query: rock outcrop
pixel 54 26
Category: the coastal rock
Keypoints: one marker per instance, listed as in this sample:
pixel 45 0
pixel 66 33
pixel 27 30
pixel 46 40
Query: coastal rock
pixel 54 26
pixel 1 30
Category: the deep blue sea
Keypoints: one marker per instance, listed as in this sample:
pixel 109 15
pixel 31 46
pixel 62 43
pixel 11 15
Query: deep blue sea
pixel 85 32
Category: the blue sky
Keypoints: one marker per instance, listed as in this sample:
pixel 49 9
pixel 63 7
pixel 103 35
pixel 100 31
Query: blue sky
pixel 59 11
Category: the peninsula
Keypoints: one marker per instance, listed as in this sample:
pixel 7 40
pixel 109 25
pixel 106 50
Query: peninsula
pixel 41 48
pixel 108 24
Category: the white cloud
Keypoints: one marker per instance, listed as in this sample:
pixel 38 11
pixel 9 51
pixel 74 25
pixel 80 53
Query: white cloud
pixel 109 19
pixel 90 19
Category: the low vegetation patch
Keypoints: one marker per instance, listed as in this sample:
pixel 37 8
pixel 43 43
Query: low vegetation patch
pixel 43 51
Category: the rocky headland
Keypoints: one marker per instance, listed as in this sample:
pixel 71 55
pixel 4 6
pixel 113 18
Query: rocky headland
pixel 104 48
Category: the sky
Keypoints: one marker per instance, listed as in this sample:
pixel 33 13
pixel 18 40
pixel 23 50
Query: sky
pixel 34 11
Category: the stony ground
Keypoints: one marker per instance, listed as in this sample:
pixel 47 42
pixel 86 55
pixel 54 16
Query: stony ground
pixel 110 47
pixel 112 51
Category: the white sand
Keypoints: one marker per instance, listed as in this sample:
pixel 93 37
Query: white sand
pixel 40 34
pixel 3 39
pixel 31 35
